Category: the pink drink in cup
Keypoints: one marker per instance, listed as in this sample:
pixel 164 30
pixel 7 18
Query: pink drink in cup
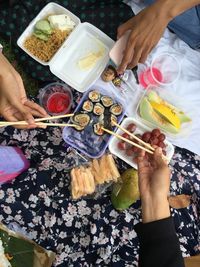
pixel 146 77
pixel 164 71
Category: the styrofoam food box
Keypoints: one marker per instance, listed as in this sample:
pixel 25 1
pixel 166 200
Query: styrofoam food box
pixel 85 38
pixel 139 130
pixel 171 98
pixel 49 9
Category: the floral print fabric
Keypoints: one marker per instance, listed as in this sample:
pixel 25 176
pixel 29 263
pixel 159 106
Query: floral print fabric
pixel 87 232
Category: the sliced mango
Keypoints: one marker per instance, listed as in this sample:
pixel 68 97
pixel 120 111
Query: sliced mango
pixel 149 114
pixel 167 113
pixel 154 97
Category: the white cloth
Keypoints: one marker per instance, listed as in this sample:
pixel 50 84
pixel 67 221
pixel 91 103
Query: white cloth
pixel 188 85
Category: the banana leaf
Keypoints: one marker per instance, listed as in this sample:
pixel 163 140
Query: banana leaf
pixel 23 252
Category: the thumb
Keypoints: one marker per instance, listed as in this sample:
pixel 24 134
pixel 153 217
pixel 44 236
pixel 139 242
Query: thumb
pixel 159 159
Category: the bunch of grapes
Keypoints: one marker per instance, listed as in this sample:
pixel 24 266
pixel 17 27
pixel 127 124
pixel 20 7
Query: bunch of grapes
pixel 154 138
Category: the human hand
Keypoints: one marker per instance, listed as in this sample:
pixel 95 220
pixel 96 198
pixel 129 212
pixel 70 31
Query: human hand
pixel 147 28
pixel 14 105
pixel 154 183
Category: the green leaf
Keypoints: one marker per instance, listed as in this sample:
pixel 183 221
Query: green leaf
pixel 21 250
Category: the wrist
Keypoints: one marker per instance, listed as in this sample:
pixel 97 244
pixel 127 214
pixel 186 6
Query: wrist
pixel 167 9
pixel 154 209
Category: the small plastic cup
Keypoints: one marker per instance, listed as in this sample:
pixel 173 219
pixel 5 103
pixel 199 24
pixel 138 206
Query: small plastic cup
pixel 164 71
pixel 56 98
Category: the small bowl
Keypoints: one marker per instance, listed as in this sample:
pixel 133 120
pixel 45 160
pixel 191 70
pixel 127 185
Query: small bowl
pixel 56 98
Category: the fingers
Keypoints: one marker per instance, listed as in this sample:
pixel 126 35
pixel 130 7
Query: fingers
pixel 159 158
pixel 142 161
pixel 128 55
pixel 13 117
pixel 135 59
pixel 36 109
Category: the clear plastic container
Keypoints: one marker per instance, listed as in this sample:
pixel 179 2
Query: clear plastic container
pixel 87 141
pixel 56 98
pixel 113 146
pixel 172 99
pixel 164 71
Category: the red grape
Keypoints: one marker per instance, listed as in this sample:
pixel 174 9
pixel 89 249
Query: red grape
pixel 129 152
pixel 161 144
pixel 121 145
pixel 155 132
pixel 146 137
pixel 135 149
pixel 125 135
pixel 161 137
pixel 135 160
pixel 154 141
pixel 131 127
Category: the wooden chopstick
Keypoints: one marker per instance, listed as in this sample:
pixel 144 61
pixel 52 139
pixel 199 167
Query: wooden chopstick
pixel 126 140
pixel 9 123
pixel 133 136
pixel 56 124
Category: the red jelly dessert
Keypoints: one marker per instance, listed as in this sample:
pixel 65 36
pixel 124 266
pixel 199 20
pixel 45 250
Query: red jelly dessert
pixel 59 103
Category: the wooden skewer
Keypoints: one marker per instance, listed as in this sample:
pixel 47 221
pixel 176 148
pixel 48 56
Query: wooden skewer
pixel 133 136
pixel 126 140
pixel 9 123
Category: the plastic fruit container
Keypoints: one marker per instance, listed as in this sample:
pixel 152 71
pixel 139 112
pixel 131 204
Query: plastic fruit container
pixel 56 98
pixel 150 117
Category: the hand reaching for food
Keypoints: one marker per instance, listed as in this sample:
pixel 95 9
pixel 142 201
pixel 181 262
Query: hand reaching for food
pixel 14 105
pixel 147 28
pixel 154 182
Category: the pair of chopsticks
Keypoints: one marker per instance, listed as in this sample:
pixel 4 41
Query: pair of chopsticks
pixel 148 148
pixel 8 123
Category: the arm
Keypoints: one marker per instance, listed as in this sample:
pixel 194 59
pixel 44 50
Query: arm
pixel 159 245
pixel 14 105
pixel 147 28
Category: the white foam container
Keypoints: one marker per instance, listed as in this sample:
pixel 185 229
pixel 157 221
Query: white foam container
pixel 84 39
pixel 141 128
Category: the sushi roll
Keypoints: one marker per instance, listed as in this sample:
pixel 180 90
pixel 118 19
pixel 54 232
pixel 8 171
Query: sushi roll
pixel 98 109
pixel 113 120
pixel 81 119
pixel 94 96
pixel 116 109
pixel 97 129
pixel 79 128
pixel 107 101
pixel 88 106
pixel 101 119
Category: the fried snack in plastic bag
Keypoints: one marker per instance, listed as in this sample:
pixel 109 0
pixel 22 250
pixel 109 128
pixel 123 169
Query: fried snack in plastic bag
pixel 93 177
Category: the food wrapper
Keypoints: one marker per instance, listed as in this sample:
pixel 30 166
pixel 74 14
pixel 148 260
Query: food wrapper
pixel 179 201
pixel 92 179
pixel 17 250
